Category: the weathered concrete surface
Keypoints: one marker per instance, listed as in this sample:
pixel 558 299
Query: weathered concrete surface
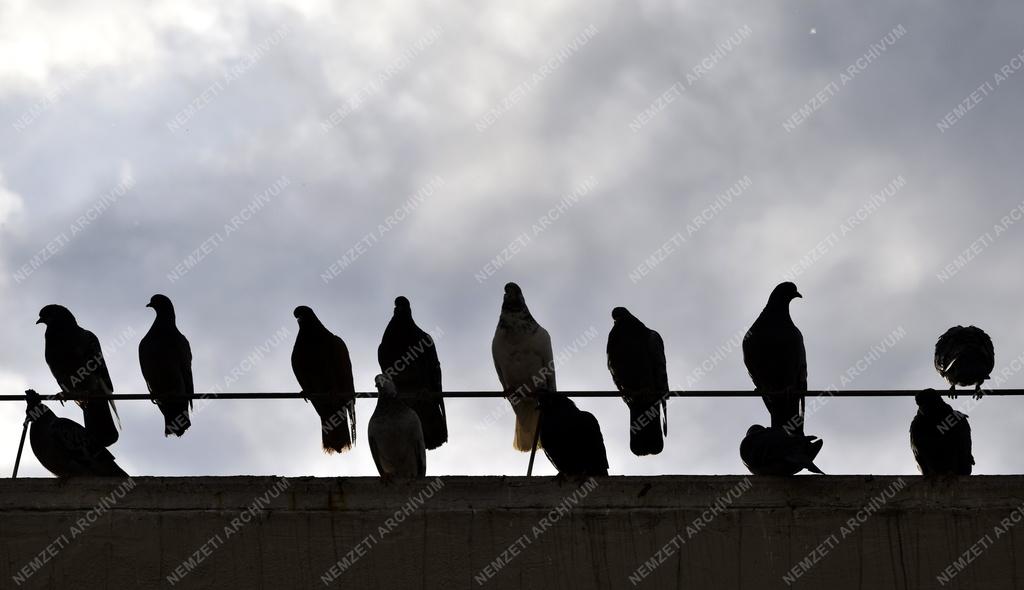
pixel 473 532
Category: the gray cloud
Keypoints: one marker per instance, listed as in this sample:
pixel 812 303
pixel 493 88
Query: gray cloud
pixel 118 76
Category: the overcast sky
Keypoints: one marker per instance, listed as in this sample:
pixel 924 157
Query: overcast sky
pixel 676 158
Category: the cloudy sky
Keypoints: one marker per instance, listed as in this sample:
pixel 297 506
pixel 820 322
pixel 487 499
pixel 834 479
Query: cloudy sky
pixel 245 158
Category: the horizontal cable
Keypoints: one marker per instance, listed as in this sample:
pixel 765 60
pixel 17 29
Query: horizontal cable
pixel 500 394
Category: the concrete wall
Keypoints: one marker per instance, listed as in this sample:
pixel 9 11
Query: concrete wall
pixel 489 532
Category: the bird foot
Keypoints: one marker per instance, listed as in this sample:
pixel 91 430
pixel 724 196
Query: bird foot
pixel 952 392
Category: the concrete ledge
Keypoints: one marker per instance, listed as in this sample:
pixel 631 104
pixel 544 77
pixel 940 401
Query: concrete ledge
pixel 711 532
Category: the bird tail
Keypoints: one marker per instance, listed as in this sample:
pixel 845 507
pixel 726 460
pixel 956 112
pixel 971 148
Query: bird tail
pixel 435 423
pixel 338 429
pixel 527 421
pixel 647 423
pixel 176 420
pixel 99 422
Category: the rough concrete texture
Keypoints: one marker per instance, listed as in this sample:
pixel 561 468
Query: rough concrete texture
pixel 513 532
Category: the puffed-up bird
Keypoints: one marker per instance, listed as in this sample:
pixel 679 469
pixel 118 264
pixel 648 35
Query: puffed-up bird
pixel 571 437
pixel 772 451
pixel 166 360
pixel 76 362
pixel 636 360
pixel 965 357
pixel 395 434
pixel 525 363
pixel 773 351
pixel 64 447
pixel 408 357
pixel 322 366
pixel 940 437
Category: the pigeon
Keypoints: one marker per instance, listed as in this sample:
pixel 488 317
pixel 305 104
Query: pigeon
pixel 76 361
pixel 321 365
pixel 773 351
pixel 525 363
pixel 571 437
pixel 636 360
pixel 965 356
pixel 166 360
pixel 408 357
pixel 64 447
pixel 940 437
pixel 395 434
pixel 772 451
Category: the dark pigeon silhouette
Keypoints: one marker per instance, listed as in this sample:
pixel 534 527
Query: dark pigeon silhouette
pixel 965 357
pixel 636 360
pixel 76 362
pixel 64 447
pixel 525 363
pixel 772 451
pixel 571 437
pixel 407 356
pixel 940 437
pixel 166 360
pixel 773 351
pixel 396 437
pixel 322 365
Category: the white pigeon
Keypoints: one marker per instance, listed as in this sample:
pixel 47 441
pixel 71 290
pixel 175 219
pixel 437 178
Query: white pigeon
pixel 524 361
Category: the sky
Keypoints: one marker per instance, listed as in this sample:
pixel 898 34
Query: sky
pixel 676 158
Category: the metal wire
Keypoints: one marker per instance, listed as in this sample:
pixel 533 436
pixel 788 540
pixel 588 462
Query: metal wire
pixel 501 394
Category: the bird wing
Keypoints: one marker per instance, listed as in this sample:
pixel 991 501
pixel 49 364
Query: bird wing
pixel 657 350
pixel 547 357
pixel 590 431
pixel 375 454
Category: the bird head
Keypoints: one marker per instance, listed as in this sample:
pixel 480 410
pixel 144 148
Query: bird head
pixel 56 316
pixel 304 315
pixel 161 304
pixel 385 387
pixel 402 307
pixel 514 300
pixel 756 428
pixel 783 294
pixel 620 313
pixel 930 400
pixel 35 409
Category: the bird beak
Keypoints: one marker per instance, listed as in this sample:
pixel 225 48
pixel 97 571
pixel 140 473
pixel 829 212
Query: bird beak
pixel 799 295
pixel 39 321
pixel 149 305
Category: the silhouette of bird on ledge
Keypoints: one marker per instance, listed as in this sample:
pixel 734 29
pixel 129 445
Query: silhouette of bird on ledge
pixel 322 365
pixel 773 351
pixel 965 357
pixel 395 435
pixel 64 447
pixel 407 356
pixel 636 360
pixel 165 357
pixel 76 362
pixel 940 437
pixel 771 451
pixel 571 437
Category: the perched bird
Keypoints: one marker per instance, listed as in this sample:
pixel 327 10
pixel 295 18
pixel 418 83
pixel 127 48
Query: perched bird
pixel 940 437
pixel 166 360
pixel 76 361
pixel 772 451
pixel 321 365
pixel 525 363
pixel 64 447
pixel 408 357
pixel 396 437
pixel 965 356
pixel 636 360
pixel 571 437
pixel 773 351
